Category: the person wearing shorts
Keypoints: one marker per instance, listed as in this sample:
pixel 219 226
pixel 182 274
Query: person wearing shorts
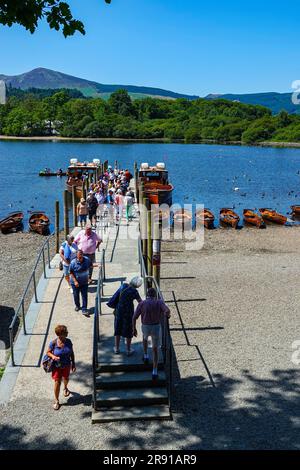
pixel 152 311
pixel 67 253
pixel 61 352
pixel 82 212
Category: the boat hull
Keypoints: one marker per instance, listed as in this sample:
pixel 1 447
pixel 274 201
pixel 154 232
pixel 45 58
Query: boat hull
pixel 159 196
pixel 253 219
pixel 205 218
pixel 12 222
pixel 39 223
pixel 273 217
pixel 228 218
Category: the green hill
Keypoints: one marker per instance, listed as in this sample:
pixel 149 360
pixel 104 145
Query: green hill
pixel 42 78
pixel 274 101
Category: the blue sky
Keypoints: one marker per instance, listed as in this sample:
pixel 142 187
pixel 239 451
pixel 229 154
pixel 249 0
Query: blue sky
pixel 187 46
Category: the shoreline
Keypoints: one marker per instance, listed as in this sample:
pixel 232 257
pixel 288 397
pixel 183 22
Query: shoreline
pixel 157 140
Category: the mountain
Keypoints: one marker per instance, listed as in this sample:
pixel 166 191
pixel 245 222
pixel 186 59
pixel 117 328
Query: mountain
pixel 44 78
pixel 274 101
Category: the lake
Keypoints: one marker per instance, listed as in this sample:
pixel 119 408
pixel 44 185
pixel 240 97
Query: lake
pixel 215 175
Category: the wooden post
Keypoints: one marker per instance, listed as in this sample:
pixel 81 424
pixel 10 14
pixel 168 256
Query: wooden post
pixel 74 206
pixel 136 182
pixel 144 228
pixel 156 255
pixel 57 244
pixel 149 239
pixel 87 186
pixel 66 214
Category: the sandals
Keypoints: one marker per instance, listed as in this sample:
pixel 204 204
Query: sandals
pixel 56 406
pixel 66 392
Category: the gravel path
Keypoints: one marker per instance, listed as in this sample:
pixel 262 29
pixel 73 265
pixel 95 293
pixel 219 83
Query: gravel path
pixel 18 253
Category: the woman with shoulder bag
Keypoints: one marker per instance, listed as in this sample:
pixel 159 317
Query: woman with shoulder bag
pixel 122 302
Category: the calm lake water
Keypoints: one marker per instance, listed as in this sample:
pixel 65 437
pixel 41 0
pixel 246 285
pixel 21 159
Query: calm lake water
pixel 208 174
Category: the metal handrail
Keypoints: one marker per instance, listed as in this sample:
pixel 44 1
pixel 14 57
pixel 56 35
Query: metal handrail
pixel 96 329
pixel 167 339
pixel 21 305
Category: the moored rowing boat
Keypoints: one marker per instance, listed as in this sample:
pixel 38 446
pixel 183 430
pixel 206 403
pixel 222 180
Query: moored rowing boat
pixel 205 217
pixel 229 217
pixel 270 215
pixel 252 218
pixel 39 222
pixel 13 221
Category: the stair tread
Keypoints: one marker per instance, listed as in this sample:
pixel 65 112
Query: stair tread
pixel 131 393
pixel 122 376
pixel 131 413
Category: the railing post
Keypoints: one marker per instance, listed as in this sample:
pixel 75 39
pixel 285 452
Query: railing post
pixel 48 251
pixel 44 263
pixel 23 317
pixel 34 285
pixel 149 239
pixel 74 206
pixel 104 273
pixel 66 214
pixel 11 340
pixel 57 226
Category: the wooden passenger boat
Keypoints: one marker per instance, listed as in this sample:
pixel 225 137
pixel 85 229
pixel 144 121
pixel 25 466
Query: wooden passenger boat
pixel 205 217
pixel 295 211
pixel 270 215
pixel 252 218
pixel 13 221
pixel 78 171
pixel 39 222
pixel 229 217
pixel 156 185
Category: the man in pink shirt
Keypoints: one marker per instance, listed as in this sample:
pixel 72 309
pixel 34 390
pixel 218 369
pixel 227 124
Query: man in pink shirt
pixel 88 241
pixel 152 311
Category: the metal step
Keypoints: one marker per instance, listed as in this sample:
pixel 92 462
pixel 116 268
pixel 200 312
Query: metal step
pixel 104 415
pixel 132 397
pixel 113 380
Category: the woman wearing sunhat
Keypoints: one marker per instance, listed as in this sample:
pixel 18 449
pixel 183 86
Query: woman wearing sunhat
pixel 123 303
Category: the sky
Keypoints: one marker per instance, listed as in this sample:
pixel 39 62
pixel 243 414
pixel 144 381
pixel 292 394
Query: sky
pixel 188 46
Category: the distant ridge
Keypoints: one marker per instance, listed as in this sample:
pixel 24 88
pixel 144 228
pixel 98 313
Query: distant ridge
pixel 45 78
pixel 272 100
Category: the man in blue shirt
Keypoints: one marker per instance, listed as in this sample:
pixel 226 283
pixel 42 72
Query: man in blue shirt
pixel 79 277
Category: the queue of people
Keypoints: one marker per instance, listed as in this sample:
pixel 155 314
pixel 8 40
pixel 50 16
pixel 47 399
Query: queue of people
pixel 112 194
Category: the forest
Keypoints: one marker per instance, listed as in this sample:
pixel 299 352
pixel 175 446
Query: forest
pixel 67 113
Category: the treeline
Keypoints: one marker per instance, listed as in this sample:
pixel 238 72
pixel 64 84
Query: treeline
pixel 62 113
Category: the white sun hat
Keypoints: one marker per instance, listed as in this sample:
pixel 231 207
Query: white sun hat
pixel 136 282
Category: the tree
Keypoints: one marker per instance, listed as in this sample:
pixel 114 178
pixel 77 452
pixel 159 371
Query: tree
pixel 27 13
pixel 120 103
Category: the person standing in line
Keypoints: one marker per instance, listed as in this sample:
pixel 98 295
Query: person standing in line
pixel 79 276
pixel 152 311
pixel 67 253
pixel 89 241
pixel 61 352
pixel 110 201
pixel 122 302
pixel 92 204
pixel 100 199
pixel 82 212
pixel 119 204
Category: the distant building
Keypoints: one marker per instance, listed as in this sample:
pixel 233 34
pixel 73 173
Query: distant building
pixel 2 92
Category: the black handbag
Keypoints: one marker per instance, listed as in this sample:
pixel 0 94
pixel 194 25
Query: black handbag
pixel 48 364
